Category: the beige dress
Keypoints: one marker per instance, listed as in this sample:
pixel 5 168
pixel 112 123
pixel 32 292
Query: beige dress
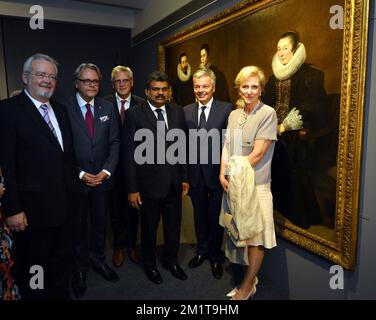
pixel 260 124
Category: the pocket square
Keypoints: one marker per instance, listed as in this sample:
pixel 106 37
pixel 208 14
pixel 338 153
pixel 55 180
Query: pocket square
pixel 104 118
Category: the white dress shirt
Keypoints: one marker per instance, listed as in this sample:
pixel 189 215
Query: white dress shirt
pixel 207 109
pixel 82 103
pixel 51 115
pixel 164 113
pixel 127 103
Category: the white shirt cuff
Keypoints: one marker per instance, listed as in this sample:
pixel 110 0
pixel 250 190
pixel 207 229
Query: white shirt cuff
pixel 108 172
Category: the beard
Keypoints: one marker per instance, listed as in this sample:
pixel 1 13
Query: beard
pixel 44 91
pixel 45 94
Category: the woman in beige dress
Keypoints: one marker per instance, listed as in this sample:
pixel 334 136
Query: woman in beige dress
pixel 257 123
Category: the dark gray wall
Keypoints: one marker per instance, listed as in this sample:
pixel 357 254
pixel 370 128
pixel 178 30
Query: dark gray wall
pixel 297 273
pixel 70 44
pixel 3 79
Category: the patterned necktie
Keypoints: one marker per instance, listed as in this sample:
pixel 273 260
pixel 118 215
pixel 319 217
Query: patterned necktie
pixel 46 118
pixel 202 122
pixel 122 111
pixel 89 119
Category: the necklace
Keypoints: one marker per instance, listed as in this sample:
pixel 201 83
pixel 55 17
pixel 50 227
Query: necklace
pixel 243 119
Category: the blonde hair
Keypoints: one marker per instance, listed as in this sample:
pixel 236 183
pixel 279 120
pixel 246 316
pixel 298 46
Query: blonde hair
pixel 205 72
pixel 243 75
pixel 120 68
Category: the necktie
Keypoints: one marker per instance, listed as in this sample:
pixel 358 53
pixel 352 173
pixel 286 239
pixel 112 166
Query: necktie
pixel 202 122
pixel 122 111
pixel 89 119
pixel 46 118
pixel 160 115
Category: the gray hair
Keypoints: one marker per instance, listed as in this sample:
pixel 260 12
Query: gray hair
pixel 38 56
pixel 84 66
pixel 205 72
pixel 120 68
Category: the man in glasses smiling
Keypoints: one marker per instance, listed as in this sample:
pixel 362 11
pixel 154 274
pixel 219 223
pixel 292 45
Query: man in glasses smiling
pixel 96 142
pixel 37 159
pixel 124 218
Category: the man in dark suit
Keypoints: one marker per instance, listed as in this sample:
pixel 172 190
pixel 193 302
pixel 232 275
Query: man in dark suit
pixel 210 116
pixel 96 144
pixel 124 218
pixel 155 187
pixel 37 159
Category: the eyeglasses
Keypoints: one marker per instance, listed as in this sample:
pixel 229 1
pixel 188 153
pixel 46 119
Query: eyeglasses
pixel 122 81
pixel 156 89
pixel 42 75
pixel 88 82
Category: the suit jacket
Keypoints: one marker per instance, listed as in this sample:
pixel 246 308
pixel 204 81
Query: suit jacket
pixel 38 173
pixel 135 101
pixel 103 151
pixel 151 180
pixel 217 119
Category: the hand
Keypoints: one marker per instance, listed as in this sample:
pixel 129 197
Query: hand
pixel 293 121
pixel 224 182
pixel 17 222
pixel 2 189
pixel 100 177
pixel 91 180
pixel 134 199
pixel 281 129
pixel 185 186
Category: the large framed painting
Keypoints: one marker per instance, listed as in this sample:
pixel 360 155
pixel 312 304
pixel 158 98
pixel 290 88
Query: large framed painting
pixel 316 173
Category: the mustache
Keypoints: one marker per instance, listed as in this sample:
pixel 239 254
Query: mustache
pixel 160 96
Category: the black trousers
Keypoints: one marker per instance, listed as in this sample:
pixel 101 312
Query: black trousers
pixel 207 207
pixel 124 218
pixel 90 248
pixel 169 208
pixel 51 249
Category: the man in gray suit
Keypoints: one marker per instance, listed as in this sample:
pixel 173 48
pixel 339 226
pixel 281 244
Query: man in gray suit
pixel 96 143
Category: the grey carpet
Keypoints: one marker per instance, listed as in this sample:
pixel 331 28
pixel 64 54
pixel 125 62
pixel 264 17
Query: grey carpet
pixel 200 285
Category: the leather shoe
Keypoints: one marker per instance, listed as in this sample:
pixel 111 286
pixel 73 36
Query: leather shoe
pixel 153 274
pixel 133 255
pixel 79 284
pixel 217 270
pixel 118 257
pixel 175 270
pixel 197 260
pixel 106 272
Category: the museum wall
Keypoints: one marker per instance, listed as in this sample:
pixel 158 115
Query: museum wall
pixel 70 44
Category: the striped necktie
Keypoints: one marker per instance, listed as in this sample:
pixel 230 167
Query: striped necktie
pixel 46 118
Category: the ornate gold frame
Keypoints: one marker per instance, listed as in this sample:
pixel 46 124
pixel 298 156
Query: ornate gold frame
pixel 356 13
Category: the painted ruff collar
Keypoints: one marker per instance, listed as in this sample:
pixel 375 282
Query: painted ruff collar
pixel 182 76
pixel 283 72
